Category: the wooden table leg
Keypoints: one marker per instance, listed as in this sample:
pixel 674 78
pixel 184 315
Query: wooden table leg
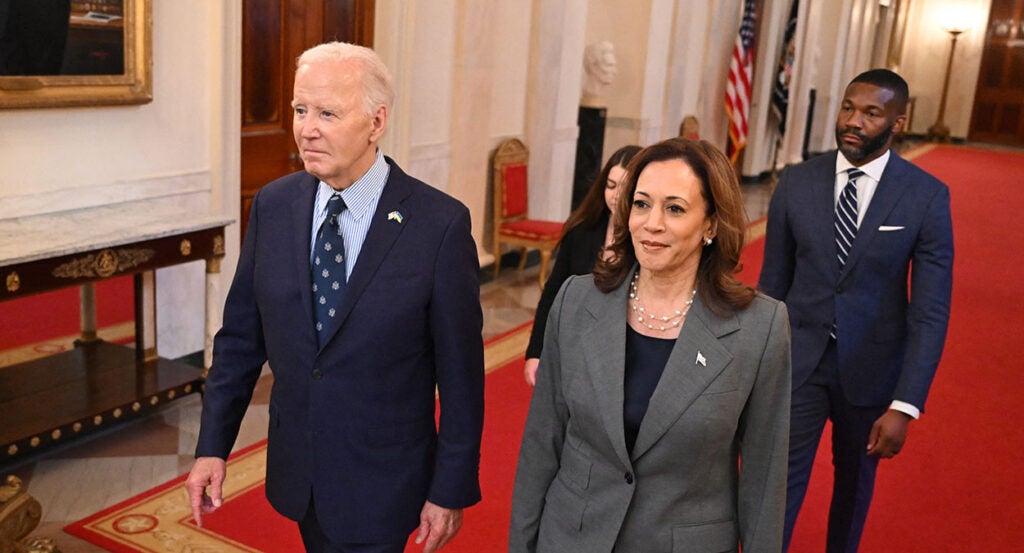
pixel 213 310
pixel 87 301
pixel 145 316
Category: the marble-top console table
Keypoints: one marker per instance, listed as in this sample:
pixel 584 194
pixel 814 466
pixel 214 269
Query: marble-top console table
pixel 49 401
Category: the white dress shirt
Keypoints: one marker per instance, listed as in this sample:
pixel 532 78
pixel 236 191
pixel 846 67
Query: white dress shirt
pixel 361 200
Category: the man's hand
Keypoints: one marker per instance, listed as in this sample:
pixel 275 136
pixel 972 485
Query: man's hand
pixel 530 370
pixel 207 471
pixel 437 526
pixel 888 434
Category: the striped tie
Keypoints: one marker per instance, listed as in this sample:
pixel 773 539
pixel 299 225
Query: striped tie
pixel 846 216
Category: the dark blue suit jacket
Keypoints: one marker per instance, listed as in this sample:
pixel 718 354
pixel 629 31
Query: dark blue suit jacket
pixel 353 423
pixel 890 338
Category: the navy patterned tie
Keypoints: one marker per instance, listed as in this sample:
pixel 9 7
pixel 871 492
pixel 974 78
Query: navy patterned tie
pixel 328 269
pixel 846 216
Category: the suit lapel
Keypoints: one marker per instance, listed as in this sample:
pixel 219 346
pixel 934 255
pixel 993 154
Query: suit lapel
pixel 889 191
pixel 605 358
pixel 823 211
pixel 379 239
pixel 696 360
pixel 302 224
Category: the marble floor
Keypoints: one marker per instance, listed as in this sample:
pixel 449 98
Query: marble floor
pixel 81 478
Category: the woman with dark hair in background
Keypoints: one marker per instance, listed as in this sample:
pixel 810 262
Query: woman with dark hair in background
pixel 587 233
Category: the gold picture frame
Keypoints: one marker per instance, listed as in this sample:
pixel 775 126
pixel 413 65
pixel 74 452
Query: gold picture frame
pixel 134 86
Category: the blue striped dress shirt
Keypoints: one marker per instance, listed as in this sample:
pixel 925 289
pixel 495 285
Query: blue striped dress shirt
pixel 361 198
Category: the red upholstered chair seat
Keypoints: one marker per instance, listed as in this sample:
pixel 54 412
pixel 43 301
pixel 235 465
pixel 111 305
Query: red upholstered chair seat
pixel 532 229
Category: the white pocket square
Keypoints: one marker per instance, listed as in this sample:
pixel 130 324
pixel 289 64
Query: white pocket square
pixel 885 228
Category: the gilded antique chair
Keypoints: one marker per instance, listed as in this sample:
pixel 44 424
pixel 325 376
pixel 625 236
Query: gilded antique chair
pixel 511 207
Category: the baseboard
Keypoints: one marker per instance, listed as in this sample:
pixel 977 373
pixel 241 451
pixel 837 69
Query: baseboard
pixel 921 137
pixel 756 179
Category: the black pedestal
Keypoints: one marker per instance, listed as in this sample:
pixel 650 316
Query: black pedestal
pixel 589 148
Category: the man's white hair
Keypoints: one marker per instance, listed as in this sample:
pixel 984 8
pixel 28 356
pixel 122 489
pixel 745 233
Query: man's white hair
pixel 377 87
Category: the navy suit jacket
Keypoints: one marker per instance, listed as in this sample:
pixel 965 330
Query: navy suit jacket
pixel 353 422
pixel 889 338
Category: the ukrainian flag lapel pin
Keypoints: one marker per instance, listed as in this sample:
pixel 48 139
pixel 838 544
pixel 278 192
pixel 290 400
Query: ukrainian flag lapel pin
pixel 395 216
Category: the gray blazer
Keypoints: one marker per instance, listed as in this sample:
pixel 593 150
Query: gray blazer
pixel 723 396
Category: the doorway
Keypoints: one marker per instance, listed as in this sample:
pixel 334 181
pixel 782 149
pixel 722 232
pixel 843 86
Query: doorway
pixel 998 114
pixel 274 34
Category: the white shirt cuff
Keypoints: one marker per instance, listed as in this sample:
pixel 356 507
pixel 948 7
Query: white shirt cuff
pixel 904 407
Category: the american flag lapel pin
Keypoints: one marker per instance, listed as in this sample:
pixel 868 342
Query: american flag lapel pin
pixel 701 360
pixel 395 216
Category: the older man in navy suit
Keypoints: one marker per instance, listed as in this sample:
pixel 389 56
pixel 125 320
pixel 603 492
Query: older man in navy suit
pixel 845 231
pixel 359 285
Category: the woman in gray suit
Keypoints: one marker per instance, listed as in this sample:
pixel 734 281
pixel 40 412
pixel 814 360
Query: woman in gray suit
pixel 660 419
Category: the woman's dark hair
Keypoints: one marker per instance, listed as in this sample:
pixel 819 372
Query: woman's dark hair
pixel 719 289
pixel 593 207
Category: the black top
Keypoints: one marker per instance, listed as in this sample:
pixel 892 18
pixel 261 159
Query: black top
pixel 577 255
pixel 646 358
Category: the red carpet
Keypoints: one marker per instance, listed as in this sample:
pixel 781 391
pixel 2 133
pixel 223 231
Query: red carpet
pixel 750 261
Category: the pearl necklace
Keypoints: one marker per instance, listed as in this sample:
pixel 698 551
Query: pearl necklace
pixel 652 321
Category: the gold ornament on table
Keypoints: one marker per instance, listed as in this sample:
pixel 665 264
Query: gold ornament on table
pixel 13 281
pixel 104 264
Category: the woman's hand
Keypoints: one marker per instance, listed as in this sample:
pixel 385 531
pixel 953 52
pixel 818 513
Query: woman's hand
pixel 530 370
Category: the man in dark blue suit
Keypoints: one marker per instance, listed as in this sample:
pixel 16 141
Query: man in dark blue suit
pixel 845 231
pixel 358 284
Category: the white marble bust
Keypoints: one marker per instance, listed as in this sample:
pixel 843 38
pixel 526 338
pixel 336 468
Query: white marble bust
pixel 599 70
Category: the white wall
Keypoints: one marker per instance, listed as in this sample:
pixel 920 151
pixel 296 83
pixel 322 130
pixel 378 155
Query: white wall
pixel 511 43
pixel 760 152
pixel 460 70
pixel 553 94
pixel 416 40
pixel 926 54
pixel 625 25
pixel 828 44
pixel 684 94
pixel 172 150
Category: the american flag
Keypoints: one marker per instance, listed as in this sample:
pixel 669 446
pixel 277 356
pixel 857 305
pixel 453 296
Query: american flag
pixel 737 91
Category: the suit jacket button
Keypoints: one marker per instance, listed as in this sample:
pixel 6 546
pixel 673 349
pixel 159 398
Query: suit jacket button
pixel 629 477
pixel 826 326
pixel 317 374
